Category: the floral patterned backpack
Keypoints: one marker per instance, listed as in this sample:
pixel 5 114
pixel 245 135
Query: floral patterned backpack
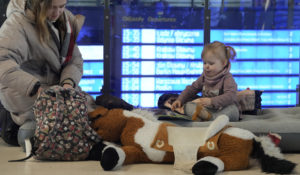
pixel 62 131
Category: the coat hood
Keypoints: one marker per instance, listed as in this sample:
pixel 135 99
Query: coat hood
pixel 15 6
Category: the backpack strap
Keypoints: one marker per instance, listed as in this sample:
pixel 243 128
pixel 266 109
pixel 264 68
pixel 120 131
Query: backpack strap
pixel 29 150
pixel 23 159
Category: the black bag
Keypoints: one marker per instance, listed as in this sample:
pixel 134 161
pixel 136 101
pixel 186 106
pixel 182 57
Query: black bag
pixel 9 129
pixel 110 102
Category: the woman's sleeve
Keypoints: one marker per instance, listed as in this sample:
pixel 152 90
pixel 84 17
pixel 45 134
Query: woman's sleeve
pixel 74 68
pixel 13 51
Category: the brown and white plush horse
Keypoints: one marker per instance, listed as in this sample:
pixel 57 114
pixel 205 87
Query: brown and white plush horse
pixel 145 140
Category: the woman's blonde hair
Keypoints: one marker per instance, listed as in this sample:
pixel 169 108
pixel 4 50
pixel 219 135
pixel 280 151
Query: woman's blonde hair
pixel 39 9
pixel 220 50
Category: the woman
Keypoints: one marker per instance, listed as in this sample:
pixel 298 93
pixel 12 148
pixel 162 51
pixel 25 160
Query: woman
pixel 37 50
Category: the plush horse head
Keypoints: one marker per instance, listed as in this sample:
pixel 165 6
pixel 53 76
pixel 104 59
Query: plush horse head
pixel 109 124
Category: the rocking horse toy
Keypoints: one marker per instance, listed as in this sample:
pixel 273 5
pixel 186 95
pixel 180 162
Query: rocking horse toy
pixel 217 148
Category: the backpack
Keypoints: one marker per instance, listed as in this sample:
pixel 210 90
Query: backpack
pixel 62 131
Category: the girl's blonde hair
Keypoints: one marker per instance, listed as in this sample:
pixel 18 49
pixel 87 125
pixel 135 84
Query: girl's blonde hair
pixel 39 9
pixel 220 50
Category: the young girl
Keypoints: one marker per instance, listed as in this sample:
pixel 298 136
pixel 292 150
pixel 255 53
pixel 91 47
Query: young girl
pixel 218 87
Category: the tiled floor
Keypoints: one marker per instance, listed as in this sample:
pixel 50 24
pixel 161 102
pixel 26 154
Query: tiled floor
pixel 34 167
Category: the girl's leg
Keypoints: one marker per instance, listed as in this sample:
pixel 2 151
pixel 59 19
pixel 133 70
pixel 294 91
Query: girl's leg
pixel 196 111
pixel 231 111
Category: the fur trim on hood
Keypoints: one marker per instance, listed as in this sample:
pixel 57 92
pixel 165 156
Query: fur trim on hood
pixel 15 6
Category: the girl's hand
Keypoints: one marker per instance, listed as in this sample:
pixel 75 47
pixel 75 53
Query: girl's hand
pixel 203 101
pixel 176 104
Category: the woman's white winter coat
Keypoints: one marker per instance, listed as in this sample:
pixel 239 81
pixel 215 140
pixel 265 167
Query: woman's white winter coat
pixel 24 61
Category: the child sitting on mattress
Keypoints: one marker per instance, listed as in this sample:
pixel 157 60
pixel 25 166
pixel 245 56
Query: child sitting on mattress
pixel 217 85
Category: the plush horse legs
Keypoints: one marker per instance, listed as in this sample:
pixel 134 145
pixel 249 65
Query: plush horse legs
pixel 96 151
pixel 114 157
pixel 210 165
pixel 135 155
pixel 233 154
pixel 270 158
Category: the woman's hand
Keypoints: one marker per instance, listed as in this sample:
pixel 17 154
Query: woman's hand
pixel 39 91
pixel 67 86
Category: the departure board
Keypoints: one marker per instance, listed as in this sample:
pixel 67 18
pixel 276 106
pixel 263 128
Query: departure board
pixel 155 61
pixel 156 50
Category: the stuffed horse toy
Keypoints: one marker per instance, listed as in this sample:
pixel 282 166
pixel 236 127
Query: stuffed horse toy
pixel 219 147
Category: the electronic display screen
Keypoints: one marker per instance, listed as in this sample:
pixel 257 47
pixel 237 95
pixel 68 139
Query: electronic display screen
pixel 162 36
pixel 158 50
pixel 163 52
pixel 256 36
pixel 91 84
pixel 90 43
pixel 154 61
pixel 179 83
pixel 196 67
pixel 268 99
pixel 92 80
